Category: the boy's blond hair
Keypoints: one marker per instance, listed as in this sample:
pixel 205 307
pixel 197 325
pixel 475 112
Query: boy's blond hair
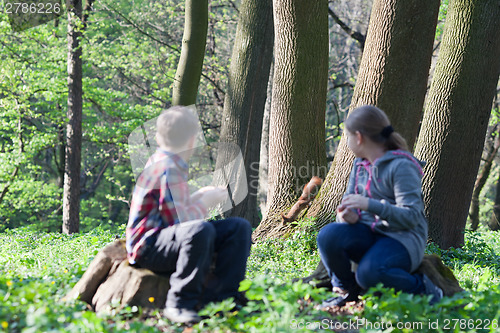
pixel 176 126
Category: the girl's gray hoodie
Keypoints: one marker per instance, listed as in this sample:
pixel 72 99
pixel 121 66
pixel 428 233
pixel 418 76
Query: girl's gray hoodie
pixel 393 185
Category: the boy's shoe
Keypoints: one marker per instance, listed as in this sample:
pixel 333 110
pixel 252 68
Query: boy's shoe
pixel 241 299
pixel 183 316
pixel 343 298
pixel 432 289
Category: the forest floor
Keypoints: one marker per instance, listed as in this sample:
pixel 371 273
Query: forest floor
pixel 37 269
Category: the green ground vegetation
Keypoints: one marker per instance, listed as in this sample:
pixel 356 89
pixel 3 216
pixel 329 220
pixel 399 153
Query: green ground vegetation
pixel 37 269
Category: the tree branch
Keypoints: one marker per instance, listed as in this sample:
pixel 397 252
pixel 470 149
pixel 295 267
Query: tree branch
pixel 86 13
pixel 97 181
pixel 214 83
pixel 145 33
pixel 139 86
pixel 359 37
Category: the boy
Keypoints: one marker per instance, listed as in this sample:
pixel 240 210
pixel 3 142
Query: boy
pixel 167 232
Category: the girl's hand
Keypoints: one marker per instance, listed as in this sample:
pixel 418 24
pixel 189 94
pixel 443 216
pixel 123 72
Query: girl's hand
pixel 347 215
pixel 353 202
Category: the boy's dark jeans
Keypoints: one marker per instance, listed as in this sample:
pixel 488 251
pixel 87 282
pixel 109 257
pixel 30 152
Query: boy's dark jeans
pixel 185 252
pixel 380 259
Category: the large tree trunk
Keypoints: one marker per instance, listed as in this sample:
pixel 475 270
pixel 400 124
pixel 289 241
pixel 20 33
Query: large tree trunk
pixel 297 124
pixel 491 153
pixel 71 195
pixel 393 76
pixel 457 113
pixel 187 77
pixel 246 96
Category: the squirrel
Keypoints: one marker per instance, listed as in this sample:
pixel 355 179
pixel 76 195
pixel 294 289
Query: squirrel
pixel 308 194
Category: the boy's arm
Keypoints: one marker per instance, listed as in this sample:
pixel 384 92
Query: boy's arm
pixel 176 200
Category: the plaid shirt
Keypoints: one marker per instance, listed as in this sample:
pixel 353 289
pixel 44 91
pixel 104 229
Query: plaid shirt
pixel 161 199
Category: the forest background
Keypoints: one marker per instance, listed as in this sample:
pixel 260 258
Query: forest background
pixel 130 54
pixel 130 57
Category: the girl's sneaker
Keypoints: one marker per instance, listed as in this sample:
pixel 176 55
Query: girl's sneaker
pixel 432 289
pixel 343 298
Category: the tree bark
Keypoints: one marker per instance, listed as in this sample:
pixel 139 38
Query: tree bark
pixel 246 97
pixel 297 124
pixel 482 177
pixel 187 77
pixel 71 193
pixel 457 113
pixel 391 77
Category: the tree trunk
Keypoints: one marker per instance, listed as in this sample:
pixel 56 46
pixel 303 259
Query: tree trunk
pixel 457 113
pixel 264 147
pixel 297 124
pixel 71 196
pixel 190 64
pixel 390 77
pixel 14 174
pixel 246 96
pixel 60 156
pixel 492 151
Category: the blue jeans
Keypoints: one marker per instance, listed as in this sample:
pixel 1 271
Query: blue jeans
pixel 206 261
pixel 379 258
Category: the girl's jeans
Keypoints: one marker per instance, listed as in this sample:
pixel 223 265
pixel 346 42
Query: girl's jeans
pixel 379 258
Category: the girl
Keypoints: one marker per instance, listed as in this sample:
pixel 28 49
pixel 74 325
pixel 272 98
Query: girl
pixel 382 224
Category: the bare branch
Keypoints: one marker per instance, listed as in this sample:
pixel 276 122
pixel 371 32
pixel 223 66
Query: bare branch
pixel 139 86
pixel 359 37
pixel 140 29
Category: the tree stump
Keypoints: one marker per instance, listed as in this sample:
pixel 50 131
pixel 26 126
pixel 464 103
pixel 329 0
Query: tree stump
pixel 440 274
pixel 109 278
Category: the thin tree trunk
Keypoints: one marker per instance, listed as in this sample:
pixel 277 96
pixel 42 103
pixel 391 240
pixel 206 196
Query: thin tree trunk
pixel 494 222
pixel 483 176
pixel 264 146
pixel 60 161
pixel 187 77
pixel 393 76
pixel 60 156
pixel 457 114
pixel 246 97
pixel 297 124
pixel 14 174
pixel 71 196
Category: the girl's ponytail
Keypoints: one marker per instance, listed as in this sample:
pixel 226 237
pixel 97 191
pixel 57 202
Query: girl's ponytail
pixel 396 141
pixel 374 123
